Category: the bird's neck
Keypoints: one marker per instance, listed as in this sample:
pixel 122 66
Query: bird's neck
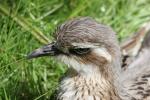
pixel 92 85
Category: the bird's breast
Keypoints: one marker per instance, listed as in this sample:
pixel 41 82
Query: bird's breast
pixel 81 88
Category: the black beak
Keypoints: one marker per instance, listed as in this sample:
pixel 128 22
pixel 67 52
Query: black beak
pixel 47 50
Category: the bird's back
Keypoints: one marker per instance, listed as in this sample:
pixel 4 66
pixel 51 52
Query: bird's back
pixel 136 78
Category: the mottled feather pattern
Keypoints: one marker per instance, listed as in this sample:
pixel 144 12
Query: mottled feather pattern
pixel 139 88
pixel 137 76
pixel 82 88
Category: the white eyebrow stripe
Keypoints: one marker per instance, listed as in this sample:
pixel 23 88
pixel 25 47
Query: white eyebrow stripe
pixel 104 53
pixel 101 51
pixel 86 45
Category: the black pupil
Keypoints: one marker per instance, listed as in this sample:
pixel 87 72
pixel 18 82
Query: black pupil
pixel 79 51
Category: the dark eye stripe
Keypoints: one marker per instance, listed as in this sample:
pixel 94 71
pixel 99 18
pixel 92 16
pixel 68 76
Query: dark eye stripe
pixel 79 51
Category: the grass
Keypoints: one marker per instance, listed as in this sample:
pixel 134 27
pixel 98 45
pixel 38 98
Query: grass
pixel 28 24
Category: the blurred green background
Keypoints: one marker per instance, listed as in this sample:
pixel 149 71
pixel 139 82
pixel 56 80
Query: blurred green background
pixel 28 24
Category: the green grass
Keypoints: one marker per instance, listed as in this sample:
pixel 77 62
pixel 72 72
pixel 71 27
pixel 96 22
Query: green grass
pixel 26 25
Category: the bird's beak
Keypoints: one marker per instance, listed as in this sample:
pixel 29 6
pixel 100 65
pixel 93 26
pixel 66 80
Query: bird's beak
pixel 47 50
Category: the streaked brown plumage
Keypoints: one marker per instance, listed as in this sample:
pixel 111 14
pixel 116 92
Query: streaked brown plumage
pixel 92 53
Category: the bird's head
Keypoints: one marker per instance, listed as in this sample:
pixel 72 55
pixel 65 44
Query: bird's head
pixel 84 45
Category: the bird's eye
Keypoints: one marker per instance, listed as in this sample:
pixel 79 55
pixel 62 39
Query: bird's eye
pixel 80 51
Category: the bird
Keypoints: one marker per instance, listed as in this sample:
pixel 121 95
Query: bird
pixel 94 59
